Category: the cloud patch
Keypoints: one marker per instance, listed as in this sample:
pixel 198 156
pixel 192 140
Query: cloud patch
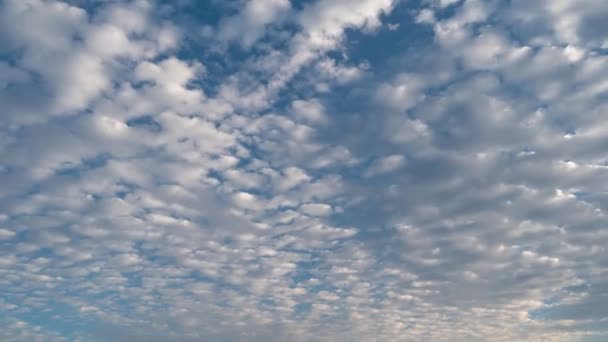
pixel 285 180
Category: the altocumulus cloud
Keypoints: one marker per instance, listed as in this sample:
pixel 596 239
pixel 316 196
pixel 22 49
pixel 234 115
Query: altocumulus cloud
pixel 319 170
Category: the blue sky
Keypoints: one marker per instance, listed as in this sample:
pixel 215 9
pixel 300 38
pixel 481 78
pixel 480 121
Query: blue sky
pixel 312 170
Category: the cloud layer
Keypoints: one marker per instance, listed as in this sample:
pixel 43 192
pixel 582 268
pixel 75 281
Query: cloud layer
pixel 328 170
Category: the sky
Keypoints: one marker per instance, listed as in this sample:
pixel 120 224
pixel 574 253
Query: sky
pixel 303 170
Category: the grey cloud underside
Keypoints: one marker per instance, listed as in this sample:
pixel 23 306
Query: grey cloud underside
pixel 267 176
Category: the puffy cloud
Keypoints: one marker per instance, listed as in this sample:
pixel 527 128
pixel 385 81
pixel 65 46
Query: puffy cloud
pixel 292 177
pixel 316 209
pixel 6 234
pixel 249 24
pixel 72 58
pixel 324 21
pixel 309 111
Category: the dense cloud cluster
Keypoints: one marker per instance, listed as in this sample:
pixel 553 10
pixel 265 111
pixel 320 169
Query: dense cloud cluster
pixel 323 170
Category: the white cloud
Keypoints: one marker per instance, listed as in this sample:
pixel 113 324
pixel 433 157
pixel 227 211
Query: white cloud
pixel 403 93
pixel 325 21
pixel 249 24
pixel 316 209
pixel 6 234
pixel 73 58
pixel 292 177
pixel 309 111
pixel 247 201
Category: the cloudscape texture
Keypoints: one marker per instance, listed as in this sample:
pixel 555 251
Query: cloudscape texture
pixel 304 170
